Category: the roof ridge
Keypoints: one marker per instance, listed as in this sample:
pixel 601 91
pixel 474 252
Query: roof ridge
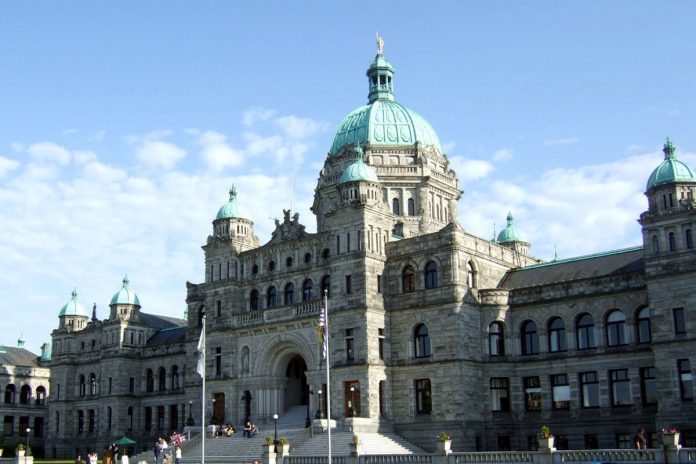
pixel 581 258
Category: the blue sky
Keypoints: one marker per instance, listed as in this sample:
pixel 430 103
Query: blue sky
pixel 123 124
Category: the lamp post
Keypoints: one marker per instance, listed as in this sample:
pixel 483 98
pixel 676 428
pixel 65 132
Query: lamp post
pixel 275 431
pixel 28 452
pixel 190 422
pixel 320 410
pixel 352 401
pixel 308 422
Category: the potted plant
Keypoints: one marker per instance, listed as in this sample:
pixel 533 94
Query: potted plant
pixel 283 446
pixel 670 437
pixel 269 446
pixel 545 438
pixel 354 445
pixel 444 443
pixel 19 450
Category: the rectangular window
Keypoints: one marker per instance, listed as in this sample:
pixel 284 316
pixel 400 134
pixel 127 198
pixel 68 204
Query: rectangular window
pixel 591 441
pixel 380 341
pixel 110 384
pixel 160 417
pixel 620 387
pixel 648 385
pixel 679 321
pixel 379 283
pixel 23 424
pixel 338 245
pixel 624 441
pixel 589 389
pixel 532 393
pixel 91 420
pixel 500 394
pixel 423 396
pixel 131 385
pixel 348 241
pixel 560 391
pixel 218 361
pixel 173 417
pixel 218 308
pixel 80 421
pixel 148 418
pixel 8 426
pixel 686 386
pixel 349 284
pixel 350 345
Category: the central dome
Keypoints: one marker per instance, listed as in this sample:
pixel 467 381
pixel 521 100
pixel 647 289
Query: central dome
pixel 383 121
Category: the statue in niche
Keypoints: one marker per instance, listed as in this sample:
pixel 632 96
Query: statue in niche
pixel 245 360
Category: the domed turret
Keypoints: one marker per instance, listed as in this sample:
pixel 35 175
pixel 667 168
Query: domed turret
pixel 125 296
pixel 383 121
pixel 359 170
pixel 72 316
pixel 231 208
pixel 671 170
pixel 510 233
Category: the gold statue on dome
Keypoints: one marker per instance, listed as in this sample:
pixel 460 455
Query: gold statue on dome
pixel 380 43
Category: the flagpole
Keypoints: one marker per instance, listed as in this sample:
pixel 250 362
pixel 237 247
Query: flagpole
pixel 203 391
pixel 328 363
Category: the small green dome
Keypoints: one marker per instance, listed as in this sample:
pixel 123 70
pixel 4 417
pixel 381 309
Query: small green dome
pixel 359 170
pixel 72 307
pixel 383 121
pixel 671 170
pixel 231 208
pixel 125 295
pixel 510 233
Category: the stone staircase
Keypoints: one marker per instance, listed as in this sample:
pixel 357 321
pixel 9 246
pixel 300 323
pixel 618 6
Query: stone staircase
pixel 370 443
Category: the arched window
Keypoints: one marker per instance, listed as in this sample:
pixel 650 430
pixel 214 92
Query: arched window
pixel 10 394
pixel 557 335
pixel 161 379
pixel 255 269
pixel 307 290
pixel 496 339
pixel 289 294
pixel 395 206
pixel 411 207
pixel 271 266
pixel 431 275
pixel 616 327
pixel 470 275
pixel 672 242
pixel 92 384
pixel 530 338
pixel 271 297
pixel 655 244
pixel 688 238
pixel 326 286
pixel 175 377
pixel 254 300
pixel 643 334
pixel 25 394
pixel 421 340
pixel 82 385
pixel 40 395
pixel 584 332
pixel 149 381
pixel 408 279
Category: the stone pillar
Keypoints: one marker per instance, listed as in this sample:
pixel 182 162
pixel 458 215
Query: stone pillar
pixel 269 455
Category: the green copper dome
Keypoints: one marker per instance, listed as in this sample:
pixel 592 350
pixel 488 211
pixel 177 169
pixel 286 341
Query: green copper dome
pixel 359 170
pixel 510 233
pixel 671 170
pixel 72 307
pixel 125 295
pixel 231 208
pixel 383 121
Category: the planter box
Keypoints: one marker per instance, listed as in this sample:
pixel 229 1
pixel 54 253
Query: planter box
pixel 444 447
pixel 546 443
pixel 670 440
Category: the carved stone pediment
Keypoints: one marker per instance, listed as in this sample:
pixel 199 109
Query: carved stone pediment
pixel 289 229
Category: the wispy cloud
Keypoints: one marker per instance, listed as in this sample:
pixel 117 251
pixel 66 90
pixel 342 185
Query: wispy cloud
pixel 49 152
pixel 159 154
pixel 502 154
pixel 470 170
pixel 562 141
pixel 7 165
pixel 257 114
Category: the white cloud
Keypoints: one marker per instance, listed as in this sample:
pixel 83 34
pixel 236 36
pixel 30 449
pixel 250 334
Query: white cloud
pixel 502 154
pixel 448 147
pixel 217 153
pixel 299 128
pixel 49 152
pixel 470 170
pixel 258 145
pixel 83 157
pixel 98 136
pixel 148 136
pixel 7 165
pixel 158 154
pixel 17 147
pixel 257 114
pixel 563 141
pixel 69 131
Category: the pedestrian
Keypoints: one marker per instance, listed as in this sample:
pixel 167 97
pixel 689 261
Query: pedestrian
pixel 177 454
pixel 124 458
pixel 640 440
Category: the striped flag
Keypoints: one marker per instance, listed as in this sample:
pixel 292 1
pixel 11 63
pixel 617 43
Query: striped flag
pixel 321 331
pixel 200 368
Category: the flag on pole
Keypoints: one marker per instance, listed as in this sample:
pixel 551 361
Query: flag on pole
pixel 201 354
pixel 321 331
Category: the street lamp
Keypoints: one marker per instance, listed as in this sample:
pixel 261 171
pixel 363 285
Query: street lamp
pixel 28 452
pixel 190 422
pixel 308 422
pixel 275 431
pixel 352 401
pixel 320 410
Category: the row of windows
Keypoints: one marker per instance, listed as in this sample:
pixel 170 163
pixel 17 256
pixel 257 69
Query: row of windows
pixel 25 395
pixel 672 241
pixel 589 389
pixel 430 274
pixel 24 423
pixel 273 298
pixel 90 385
pixel 86 420
pixel 615 333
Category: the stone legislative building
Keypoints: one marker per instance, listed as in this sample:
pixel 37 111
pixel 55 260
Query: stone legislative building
pixel 431 328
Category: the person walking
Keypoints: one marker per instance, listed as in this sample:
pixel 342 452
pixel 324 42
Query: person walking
pixel 641 441
pixel 177 454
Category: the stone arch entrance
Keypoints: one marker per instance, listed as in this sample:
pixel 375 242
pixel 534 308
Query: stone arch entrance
pixel 296 386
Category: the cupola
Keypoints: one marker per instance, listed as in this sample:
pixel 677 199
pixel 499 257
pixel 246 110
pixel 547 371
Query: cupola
pixel 671 170
pixel 72 315
pixel 125 303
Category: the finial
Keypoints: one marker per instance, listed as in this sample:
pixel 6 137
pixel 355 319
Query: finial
pixel 668 149
pixel 125 281
pixel 233 193
pixel 20 341
pixel 358 152
pixel 510 218
pixel 74 294
pixel 555 253
pixel 380 43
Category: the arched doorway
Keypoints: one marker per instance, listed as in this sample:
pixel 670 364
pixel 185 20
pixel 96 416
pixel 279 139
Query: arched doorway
pixel 296 387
